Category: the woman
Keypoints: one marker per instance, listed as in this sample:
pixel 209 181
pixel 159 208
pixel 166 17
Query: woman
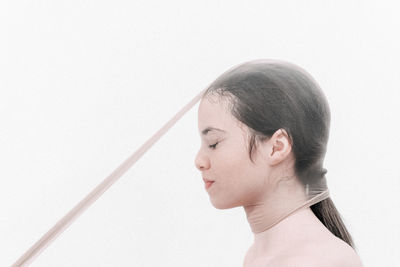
pixel 264 127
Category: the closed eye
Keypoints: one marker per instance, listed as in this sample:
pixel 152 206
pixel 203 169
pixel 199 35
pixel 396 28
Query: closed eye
pixel 213 146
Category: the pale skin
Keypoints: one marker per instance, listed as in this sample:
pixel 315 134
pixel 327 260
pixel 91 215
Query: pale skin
pixel 298 240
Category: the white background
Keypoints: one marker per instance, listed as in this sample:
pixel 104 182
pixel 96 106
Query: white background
pixel 83 84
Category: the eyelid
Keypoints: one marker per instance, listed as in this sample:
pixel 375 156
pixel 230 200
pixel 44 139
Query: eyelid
pixel 213 146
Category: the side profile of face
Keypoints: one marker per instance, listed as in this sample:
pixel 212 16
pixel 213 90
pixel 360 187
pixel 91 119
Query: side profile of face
pixel 223 158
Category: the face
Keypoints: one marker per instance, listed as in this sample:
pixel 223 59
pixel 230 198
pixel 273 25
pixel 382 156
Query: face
pixel 223 158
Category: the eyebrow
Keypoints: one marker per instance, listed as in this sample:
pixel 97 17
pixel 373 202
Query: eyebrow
pixel 208 129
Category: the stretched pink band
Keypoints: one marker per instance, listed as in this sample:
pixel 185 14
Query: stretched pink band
pixel 62 224
pixel 321 196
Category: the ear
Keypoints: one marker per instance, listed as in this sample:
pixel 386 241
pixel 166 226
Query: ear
pixel 279 147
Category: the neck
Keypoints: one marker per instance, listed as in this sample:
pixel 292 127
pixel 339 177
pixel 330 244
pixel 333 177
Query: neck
pixel 287 197
pixel 301 226
pixel 272 207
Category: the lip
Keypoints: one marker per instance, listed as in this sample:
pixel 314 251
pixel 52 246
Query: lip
pixel 208 184
pixel 207 180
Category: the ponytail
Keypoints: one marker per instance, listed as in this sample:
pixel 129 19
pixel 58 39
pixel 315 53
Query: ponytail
pixel 327 213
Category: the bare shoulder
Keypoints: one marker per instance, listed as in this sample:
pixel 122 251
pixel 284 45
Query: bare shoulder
pixel 333 253
pixel 323 251
pixel 343 253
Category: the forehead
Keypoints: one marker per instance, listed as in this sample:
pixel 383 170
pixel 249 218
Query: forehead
pixel 211 107
pixel 215 114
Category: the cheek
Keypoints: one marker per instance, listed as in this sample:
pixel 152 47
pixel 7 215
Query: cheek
pixel 239 182
pixel 232 163
pixel 245 181
pixel 237 175
pixel 231 159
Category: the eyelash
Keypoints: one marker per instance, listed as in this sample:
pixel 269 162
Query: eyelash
pixel 213 146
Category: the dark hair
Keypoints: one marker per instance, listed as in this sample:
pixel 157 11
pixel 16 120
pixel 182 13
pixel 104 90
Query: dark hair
pixel 268 95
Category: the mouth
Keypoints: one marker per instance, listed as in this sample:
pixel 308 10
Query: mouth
pixel 208 184
pixel 207 180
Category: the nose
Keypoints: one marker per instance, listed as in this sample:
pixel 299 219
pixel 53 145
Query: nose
pixel 201 161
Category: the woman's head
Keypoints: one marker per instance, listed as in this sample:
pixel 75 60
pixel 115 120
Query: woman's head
pixel 277 120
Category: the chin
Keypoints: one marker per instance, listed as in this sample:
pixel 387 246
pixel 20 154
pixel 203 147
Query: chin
pixel 223 205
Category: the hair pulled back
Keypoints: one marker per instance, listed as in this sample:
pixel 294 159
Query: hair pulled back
pixel 268 95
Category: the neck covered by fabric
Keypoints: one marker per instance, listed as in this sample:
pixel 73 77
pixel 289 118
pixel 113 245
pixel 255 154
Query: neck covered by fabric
pixel 265 214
